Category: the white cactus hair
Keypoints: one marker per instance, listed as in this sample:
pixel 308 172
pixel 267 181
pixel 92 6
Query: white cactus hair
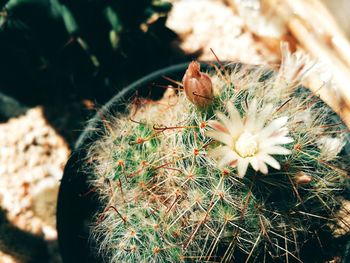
pixel 166 200
pixel 295 67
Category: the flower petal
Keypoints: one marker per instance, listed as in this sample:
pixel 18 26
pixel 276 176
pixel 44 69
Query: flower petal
pixel 228 158
pixel 255 163
pixel 275 141
pixel 251 116
pixel 270 161
pixel 273 126
pixel 242 166
pixel 234 115
pixel 226 122
pixel 263 167
pixel 281 132
pixel 262 117
pixel 277 150
pixel 218 126
pixel 218 151
pixel 220 136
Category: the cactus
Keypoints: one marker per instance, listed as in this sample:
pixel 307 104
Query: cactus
pixel 255 172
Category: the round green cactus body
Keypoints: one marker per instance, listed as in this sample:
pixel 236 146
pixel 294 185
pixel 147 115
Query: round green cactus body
pixel 257 172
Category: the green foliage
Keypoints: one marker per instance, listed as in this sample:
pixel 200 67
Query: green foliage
pixel 84 48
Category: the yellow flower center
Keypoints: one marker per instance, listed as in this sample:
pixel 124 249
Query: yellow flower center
pixel 246 145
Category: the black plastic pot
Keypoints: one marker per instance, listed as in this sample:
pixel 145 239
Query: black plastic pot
pixel 75 204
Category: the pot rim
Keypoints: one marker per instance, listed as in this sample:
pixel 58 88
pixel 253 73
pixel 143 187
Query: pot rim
pixel 122 94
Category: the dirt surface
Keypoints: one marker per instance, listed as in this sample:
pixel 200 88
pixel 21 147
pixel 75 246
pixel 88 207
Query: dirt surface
pixel 212 25
pixel 32 158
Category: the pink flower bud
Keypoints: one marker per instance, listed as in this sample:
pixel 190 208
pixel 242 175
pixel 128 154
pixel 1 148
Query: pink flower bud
pixel 197 85
pixel 302 178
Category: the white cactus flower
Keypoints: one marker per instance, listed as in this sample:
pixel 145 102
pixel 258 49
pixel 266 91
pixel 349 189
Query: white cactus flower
pixel 249 140
pixel 330 147
pixel 295 66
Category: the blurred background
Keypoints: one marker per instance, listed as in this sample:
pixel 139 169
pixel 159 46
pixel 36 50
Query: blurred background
pixel 61 60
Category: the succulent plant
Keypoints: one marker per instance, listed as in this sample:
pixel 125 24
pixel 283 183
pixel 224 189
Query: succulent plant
pixel 253 175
